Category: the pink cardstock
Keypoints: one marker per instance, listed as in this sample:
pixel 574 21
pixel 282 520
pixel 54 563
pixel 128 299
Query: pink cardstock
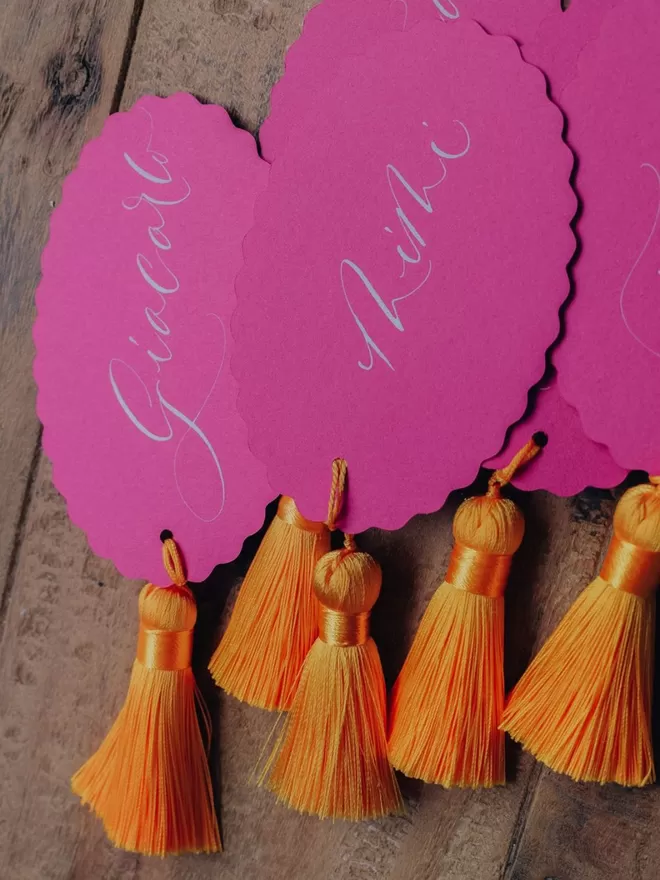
pixel 557 44
pixel 609 363
pixel 571 461
pixel 336 29
pixel 404 275
pixel 132 335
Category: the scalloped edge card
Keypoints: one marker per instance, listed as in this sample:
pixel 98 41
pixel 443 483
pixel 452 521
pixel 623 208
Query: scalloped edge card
pixel 557 44
pixel 409 235
pixel 133 343
pixel 336 29
pixel 571 461
pixel 609 363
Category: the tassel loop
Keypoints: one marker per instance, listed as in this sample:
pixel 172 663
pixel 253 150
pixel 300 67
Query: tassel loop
pixel 172 561
pixel 337 491
pixel 529 451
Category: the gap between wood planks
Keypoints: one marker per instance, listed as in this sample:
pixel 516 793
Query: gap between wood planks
pixel 10 578
pixel 521 822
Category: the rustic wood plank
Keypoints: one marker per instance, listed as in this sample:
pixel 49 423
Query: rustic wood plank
pixel 59 66
pixel 71 621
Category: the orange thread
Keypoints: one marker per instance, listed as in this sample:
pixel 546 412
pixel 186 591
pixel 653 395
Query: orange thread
pixel 337 491
pixel 173 563
pixel 503 476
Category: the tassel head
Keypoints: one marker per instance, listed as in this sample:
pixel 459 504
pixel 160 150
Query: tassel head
pixel 347 581
pixel 490 524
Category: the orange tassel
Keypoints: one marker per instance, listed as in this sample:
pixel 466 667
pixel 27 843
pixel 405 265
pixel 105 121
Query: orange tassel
pixel 149 781
pixel 447 701
pixel 275 620
pixel 331 759
pixel 584 705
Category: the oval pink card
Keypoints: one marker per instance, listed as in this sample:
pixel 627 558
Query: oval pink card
pixel 403 279
pixel 132 337
pixel 609 363
pixel 336 29
pixel 557 44
pixel 571 461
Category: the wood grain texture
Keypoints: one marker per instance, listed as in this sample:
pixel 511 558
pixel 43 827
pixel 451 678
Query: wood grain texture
pixel 71 622
pixel 59 66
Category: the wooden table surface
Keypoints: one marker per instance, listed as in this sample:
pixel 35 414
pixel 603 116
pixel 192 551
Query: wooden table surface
pixel 68 622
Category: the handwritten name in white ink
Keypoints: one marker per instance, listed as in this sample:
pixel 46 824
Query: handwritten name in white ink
pixel 640 329
pixel 160 419
pixel 355 281
pixel 447 10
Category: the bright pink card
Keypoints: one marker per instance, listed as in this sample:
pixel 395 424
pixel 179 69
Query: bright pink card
pixel 133 343
pixel 557 44
pixel 609 363
pixel 403 278
pixel 336 29
pixel 571 461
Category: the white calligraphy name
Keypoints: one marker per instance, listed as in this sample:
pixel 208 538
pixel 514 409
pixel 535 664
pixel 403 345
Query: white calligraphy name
pixel 447 10
pixel 160 194
pixel 411 253
pixel 640 334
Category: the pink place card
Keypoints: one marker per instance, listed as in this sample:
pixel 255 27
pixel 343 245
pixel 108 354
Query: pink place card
pixel 557 44
pixel 609 363
pixel 336 29
pixel 133 341
pixel 571 461
pixel 405 272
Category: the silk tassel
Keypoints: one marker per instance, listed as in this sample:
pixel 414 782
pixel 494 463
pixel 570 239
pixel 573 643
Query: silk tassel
pixel 583 707
pixel 331 757
pixel 275 619
pixel 447 702
pixel 149 781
